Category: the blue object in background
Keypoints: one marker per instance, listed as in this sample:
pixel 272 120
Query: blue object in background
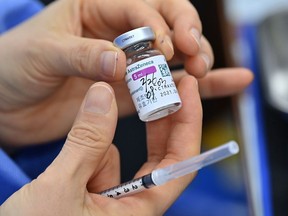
pixel 24 165
pixel 27 163
pixel 12 12
pixel 254 139
pixel 211 194
pixel 12 177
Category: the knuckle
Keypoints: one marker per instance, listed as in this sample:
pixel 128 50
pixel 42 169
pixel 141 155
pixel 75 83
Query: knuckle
pixel 85 136
pixel 80 58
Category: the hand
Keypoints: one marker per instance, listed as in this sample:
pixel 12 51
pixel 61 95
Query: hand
pixel 89 163
pixel 48 63
pixel 191 50
pixel 194 51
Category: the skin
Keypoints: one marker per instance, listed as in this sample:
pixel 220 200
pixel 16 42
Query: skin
pixel 48 63
pixel 89 163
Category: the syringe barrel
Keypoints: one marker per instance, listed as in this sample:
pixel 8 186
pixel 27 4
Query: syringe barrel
pixel 160 176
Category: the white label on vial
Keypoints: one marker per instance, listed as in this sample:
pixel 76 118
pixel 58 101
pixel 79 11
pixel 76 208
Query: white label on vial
pixel 151 85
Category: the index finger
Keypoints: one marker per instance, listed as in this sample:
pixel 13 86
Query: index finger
pixel 148 16
pixel 119 16
pixel 183 19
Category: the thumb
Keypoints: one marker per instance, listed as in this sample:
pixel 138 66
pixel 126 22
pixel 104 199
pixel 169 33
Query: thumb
pixel 98 60
pixel 91 135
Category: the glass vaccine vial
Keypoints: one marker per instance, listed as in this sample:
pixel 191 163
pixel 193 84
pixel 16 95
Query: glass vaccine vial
pixel 148 76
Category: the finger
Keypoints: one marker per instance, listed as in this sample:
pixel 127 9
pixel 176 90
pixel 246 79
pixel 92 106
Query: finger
pixel 146 16
pixel 186 125
pixel 183 142
pixel 124 100
pixel 95 59
pixel 183 18
pixel 161 132
pixel 224 82
pixel 109 172
pixel 130 15
pixel 90 137
pixel 201 63
pixel 220 82
pixel 157 137
pixel 197 65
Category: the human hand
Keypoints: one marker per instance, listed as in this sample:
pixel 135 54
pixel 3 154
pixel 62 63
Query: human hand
pixel 194 52
pixel 48 63
pixel 89 163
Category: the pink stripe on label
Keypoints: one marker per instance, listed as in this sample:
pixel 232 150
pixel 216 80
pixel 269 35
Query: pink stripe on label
pixel 143 72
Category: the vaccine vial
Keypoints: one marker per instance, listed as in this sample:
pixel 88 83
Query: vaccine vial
pixel 148 76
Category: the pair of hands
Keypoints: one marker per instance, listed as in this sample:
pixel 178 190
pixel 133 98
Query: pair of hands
pixel 89 163
pixel 49 64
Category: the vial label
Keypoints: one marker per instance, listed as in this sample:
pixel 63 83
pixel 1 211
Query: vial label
pixel 152 87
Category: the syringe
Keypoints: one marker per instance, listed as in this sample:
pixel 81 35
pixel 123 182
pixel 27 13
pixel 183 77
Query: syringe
pixel 163 175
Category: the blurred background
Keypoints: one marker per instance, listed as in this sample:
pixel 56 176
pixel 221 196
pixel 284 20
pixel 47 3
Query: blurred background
pixel 254 34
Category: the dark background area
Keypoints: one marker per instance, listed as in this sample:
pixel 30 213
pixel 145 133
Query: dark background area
pixel 276 128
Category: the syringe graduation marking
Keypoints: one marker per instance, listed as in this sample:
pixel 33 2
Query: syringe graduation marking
pixel 130 187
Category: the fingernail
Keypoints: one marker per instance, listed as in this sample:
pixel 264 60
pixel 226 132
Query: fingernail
pixel 169 43
pixel 108 63
pixel 98 100
pixel 206 59
pixel 166 46
pixel 196 35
